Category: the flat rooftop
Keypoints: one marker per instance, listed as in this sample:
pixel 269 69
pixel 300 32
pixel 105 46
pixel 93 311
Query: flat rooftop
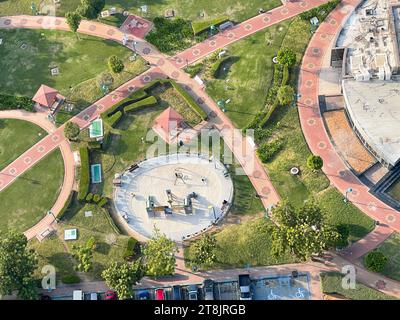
pixel 374 108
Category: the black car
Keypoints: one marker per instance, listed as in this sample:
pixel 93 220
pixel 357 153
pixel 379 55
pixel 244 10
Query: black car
pixel 208 288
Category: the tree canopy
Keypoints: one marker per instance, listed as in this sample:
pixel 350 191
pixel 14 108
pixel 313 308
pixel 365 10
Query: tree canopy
pixel 302 231
pixel 122 276
pixel 159 255
pixel 17 265
pixel 204 250
pixel 71 130
pixel 315 162
pixel 90 9
pixel 73 20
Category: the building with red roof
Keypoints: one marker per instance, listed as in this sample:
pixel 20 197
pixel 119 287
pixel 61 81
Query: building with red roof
pixel 168 124
pixel 48 97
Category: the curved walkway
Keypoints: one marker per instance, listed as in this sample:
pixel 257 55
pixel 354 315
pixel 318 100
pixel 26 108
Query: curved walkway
pixel 314 61
pixel 28 161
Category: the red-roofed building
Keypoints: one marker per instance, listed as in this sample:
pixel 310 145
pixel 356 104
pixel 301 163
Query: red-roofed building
pixel 48 97
pixel 168 124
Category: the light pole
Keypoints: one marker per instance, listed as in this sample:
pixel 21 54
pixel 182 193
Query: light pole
pixel 215 216
pixel 134 43
pixel 52 214
pixel 349 190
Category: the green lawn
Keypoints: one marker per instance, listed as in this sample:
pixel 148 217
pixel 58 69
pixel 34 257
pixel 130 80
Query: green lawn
pixel 331 283
pixel 193 10
pixel 17 136
pixel 391 249
pixel 248 75
pixel 26 201
pixel 110 244
pixel 29 55
pixel 242 244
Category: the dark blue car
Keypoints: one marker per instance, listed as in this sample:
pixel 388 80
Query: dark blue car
pixel 176 293
pixel 144 295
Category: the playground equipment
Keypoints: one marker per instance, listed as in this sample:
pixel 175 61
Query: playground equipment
pixel 133 167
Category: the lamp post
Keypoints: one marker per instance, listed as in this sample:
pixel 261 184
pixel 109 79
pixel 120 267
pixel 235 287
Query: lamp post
pixel 221 103
pixel 134 43
pixel 349 190
pixel 215 216
pixel 52 214
pixel 33 8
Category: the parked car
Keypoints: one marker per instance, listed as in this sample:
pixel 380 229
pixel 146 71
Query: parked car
pixel 93 296
pixel 78 295
pixel 193 292
pixel 144 295
pixel 208 288
pixel 244 286
pixel 160 294
pixel 176 293
pixel 111 295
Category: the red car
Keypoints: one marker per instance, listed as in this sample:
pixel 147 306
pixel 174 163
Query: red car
pixel 111 295
pixel 160 294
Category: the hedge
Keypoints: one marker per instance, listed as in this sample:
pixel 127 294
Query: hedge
pixel 147 102
pixel 9 102
pixel 85 174
pixel 132 98
pixel 102 202
pixel 200 26
pixel 114 119
pixel 94 145
pixel 96 198
pixel 268 149
pixel 189 100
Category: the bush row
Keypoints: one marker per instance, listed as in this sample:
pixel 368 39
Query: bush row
pixel 268 149
pixel 85 174
pixel 189 100
pixel 200 26
pixel 320 12
pixel 147 102
pixel 9 102
pixel 96 198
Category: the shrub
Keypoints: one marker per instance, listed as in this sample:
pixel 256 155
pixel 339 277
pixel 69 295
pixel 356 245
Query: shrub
pixel 71 130
pixel 90 8
pixel 375 261
pixel 344 232
pixel 147 102
pixel 115 64
pixel 70 279
pixel 268 149
pixel 130 249
pixel 286 57
pixel 102 202
pixel 285 95
pixel 89 197
pixel 96 198
pixel 170 35
pixel 193 70
pixel 314 162
pixel 200 26
pixel 85 175
pixel 320 12
pixel 94 145
pixel 9 102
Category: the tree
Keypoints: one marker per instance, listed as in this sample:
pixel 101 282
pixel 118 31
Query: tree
pixel 303 232
pixel 90 8
pixel 71 130
pixel 375 261
pixel 84 255
pixel 315 162
pixel 344 233
pixel 159 255
pixel 286 57
pixel 73 20
pixel 115 64
pixel 17 265
pixel 285 95
pixel 122 276
pixel 204 250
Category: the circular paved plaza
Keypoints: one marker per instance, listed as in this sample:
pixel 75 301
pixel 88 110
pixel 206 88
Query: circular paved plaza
pixel 182 195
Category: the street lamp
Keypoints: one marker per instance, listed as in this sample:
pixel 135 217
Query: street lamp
pixel 215 216
pixel 134 43
pixel 52 214
pixel 349 190
pixel 221 103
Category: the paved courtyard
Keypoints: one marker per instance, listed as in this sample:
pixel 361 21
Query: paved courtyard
pixel 183 175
